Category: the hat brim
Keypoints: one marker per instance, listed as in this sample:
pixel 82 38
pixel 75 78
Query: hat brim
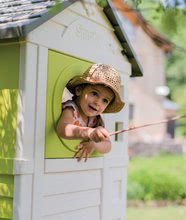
pixel 115 106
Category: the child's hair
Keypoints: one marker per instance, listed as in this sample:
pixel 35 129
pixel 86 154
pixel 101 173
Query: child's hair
pixel 101 74
pixel 82 86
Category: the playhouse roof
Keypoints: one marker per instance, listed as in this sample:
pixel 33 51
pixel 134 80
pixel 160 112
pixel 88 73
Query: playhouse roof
pixel 19 17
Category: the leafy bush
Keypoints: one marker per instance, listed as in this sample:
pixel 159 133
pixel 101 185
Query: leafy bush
pixel 135 191
pixel 166 186
pixel 158 178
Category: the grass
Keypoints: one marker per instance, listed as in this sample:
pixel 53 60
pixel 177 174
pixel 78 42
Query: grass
pixel 145 174
pixel 159 213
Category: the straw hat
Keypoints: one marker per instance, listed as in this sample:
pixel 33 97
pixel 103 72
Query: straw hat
pixel 101 74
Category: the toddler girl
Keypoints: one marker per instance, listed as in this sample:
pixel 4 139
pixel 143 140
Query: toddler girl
pixel 96 91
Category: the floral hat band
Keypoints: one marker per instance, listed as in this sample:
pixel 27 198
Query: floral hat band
pixel 101 74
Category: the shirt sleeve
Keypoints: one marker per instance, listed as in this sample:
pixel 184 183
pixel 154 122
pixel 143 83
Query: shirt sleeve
pixel 70 104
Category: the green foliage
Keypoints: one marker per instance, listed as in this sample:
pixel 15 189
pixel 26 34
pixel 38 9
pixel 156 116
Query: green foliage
pixel 136 3
pixel 170 22
pixel 135 191
pixel 102 3
pixel 167 187
pixel 165 3
pixel 56 8
pixel 176 71
pixel 158 178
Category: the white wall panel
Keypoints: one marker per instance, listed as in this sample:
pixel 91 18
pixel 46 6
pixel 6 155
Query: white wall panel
pixel 22 190
pixel 70 201
pixel 91 213
pixel 67 165
pixel 39 144
pixel 71 182
pixel 89 10
pixel 82 31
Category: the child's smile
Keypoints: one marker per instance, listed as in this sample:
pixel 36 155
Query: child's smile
pixel 91 107
pixel 93 100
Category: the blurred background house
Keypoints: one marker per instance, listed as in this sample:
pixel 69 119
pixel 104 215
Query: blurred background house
pixel 147 97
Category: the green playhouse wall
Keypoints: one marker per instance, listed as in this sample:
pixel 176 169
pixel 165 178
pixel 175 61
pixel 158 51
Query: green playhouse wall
pixel 61 68
pixel 9 80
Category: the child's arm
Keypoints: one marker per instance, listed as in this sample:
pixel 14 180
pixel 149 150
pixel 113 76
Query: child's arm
pixel 67 130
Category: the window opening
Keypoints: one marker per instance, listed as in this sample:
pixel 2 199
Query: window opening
pixel 118 126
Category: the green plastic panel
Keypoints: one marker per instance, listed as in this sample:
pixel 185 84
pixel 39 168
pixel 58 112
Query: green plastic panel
pixel 6 186
pixel 9 75
pixel 8 122
pixel 61 68
pixel 9 66
pixel 6 196
pixel 6 165
pixel 6 208
pixel 9 83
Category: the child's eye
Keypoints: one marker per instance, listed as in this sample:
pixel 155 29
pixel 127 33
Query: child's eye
pixel 94 93
pixel 106 101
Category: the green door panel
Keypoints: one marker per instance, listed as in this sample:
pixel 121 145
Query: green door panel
pixel 61 68
pixel 9 66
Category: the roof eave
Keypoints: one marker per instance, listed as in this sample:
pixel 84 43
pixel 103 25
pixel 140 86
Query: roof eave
pixel 111 13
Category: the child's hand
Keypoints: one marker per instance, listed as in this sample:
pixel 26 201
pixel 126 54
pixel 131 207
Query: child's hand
pixel 84 150
pixel 98 134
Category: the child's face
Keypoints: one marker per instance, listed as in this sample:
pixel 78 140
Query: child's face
pixel 93 99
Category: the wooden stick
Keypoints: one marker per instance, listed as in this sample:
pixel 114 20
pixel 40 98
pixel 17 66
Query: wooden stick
pixel 146 125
